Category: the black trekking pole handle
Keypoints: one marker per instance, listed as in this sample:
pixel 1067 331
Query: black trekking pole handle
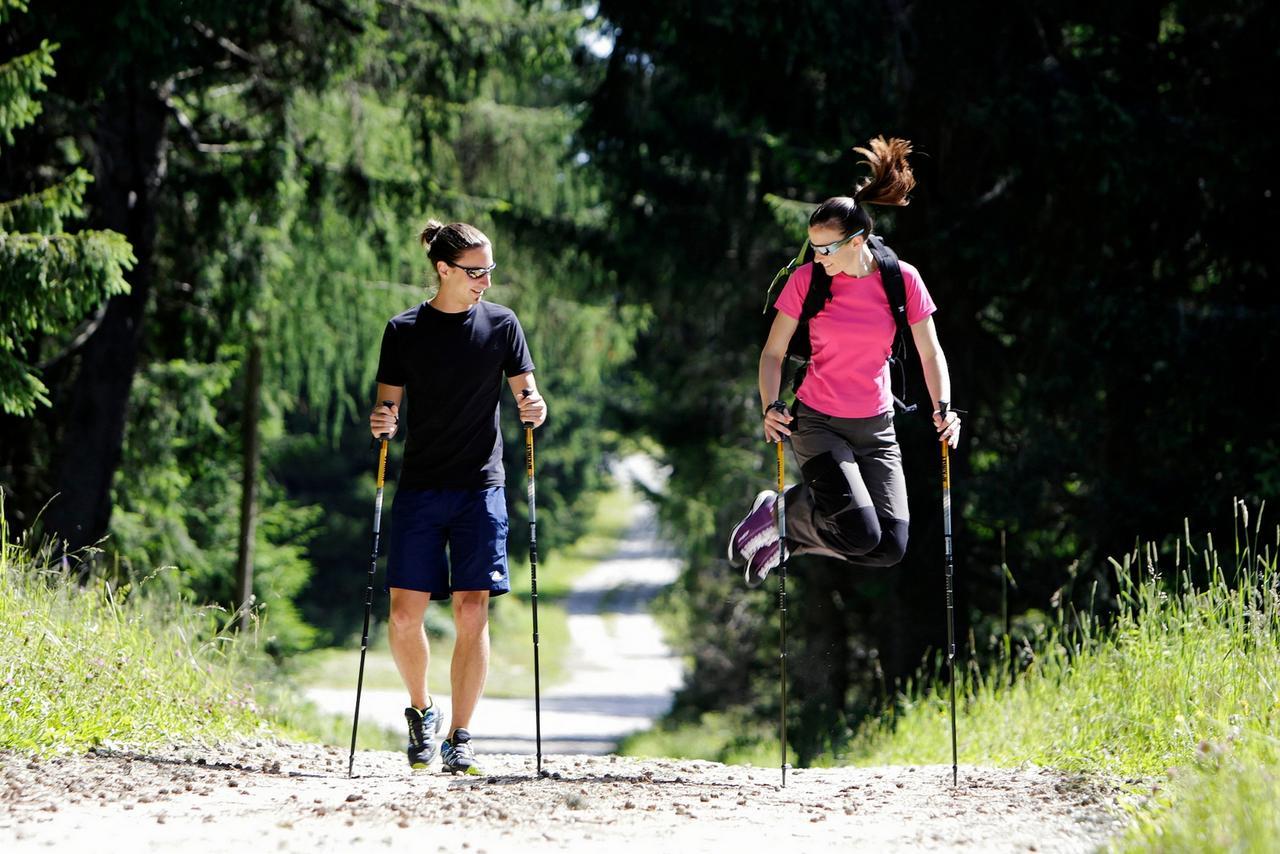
pixel 533 581
pixel 943 407
pixel 368 591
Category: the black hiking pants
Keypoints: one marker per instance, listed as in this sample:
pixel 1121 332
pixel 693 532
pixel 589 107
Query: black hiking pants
pixel 852 503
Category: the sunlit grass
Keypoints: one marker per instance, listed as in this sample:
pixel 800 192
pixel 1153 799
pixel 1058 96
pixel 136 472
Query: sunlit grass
pixel 728 737
pixel 1180 688
pixel 304 721
pixel 89 664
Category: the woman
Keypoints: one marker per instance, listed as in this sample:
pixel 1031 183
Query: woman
pixel 852 503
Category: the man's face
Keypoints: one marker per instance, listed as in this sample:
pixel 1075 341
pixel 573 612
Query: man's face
pixel 459 282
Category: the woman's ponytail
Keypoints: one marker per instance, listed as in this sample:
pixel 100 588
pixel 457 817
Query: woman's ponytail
pixel 890 183
pixel 891 179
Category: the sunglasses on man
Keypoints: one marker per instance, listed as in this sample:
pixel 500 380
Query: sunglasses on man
pixel 474 272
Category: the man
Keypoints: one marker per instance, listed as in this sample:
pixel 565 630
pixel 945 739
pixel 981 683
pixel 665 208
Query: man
pixel 450 353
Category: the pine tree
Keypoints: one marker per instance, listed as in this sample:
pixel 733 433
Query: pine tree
pixel 50 279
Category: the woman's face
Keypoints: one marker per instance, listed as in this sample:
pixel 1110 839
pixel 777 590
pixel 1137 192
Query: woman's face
pixel 456 283
pixel 845 257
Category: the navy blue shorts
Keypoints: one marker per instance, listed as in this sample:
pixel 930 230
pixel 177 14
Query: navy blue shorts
pixel 449 539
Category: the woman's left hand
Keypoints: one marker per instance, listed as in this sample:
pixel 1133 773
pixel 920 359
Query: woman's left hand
pixel 948 428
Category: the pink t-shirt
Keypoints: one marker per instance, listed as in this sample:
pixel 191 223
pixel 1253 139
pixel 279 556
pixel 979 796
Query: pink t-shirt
pixel 851 337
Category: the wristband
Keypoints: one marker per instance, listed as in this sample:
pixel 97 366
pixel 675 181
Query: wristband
pixel 778 405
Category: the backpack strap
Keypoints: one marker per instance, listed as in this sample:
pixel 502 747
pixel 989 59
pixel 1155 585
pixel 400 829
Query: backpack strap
pixel 819 293
pixel 895 289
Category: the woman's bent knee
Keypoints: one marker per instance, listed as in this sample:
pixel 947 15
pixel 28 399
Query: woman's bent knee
pixel 891 548
pixel 858 530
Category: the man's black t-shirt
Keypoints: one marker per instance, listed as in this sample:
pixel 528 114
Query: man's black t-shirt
pixel 451 366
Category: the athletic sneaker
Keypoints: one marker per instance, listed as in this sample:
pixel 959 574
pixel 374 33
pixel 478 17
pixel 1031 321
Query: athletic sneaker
pixel 457 756
pixel 757 530
pixel 424 724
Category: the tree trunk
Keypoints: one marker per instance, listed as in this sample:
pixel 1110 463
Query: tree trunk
pixel 128 166
pixel 249 480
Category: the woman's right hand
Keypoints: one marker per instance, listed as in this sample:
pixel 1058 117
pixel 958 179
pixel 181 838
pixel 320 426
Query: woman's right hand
pixel 384 420
pixel 776 419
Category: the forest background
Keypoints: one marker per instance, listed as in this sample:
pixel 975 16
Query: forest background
pixel 208 212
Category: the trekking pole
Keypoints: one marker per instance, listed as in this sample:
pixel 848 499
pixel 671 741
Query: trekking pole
pixel 368 591
pixel 781 508
pixel 950 574
pixel 533 583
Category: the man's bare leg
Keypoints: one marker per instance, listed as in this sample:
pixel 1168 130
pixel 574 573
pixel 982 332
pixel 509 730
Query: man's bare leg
pixel 408 642
pixel 470 665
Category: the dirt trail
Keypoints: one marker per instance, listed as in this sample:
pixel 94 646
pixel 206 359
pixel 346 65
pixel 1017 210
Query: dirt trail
pixel 277 796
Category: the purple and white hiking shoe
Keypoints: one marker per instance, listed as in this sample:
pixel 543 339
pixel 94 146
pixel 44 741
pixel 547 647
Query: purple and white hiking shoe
pixel 756 531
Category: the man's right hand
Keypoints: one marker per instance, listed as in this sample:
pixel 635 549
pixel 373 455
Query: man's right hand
pixel 384 420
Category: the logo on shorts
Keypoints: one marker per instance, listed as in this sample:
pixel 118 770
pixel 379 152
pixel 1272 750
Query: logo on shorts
pixel 496 576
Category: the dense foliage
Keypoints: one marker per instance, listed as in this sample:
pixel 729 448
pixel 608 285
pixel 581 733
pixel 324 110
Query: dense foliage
pixel 284 158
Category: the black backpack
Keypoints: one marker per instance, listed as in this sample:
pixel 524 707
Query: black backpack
pixel 800 350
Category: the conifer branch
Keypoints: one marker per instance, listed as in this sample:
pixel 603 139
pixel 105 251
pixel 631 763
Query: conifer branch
pixel 45 210
pixel 21 79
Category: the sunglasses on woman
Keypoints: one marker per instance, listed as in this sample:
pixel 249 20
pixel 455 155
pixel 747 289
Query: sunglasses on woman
pixel 474 272
pixel 831 248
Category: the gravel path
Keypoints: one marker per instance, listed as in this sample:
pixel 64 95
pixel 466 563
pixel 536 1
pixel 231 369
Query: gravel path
pixel 277 796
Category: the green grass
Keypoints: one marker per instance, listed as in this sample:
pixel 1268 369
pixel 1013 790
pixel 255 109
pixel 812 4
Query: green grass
pixel 729 737
pixel 1179 689
pixel 90 664
pixel 302 720
pixel 510 621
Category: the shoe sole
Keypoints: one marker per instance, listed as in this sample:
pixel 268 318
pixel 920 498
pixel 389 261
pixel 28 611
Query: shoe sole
pixel 739 561
pixel 423 761
pixel 471 771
